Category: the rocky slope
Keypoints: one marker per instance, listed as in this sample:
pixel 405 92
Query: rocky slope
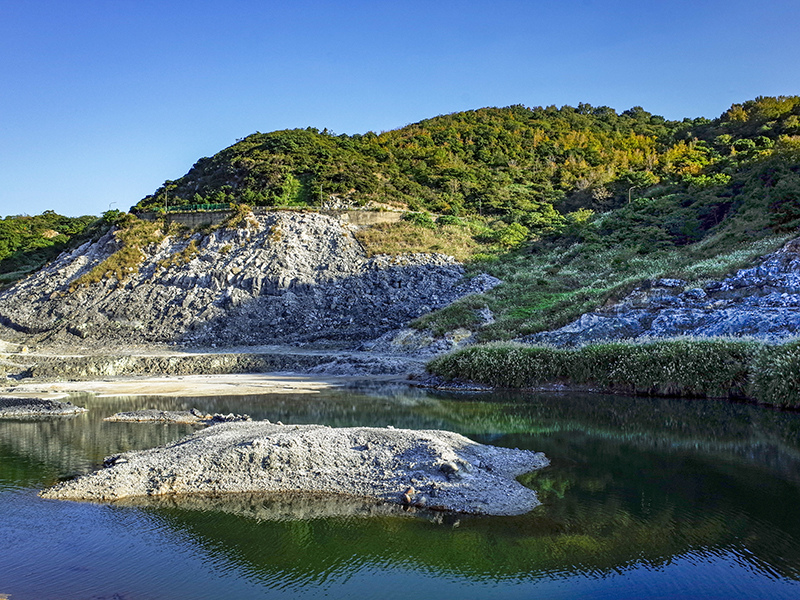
pixel 282 277
pixel 762 302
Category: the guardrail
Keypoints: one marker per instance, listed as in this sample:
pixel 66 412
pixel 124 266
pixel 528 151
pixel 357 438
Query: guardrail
pixel 198 207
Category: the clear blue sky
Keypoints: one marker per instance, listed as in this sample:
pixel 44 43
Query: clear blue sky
pixel 103 100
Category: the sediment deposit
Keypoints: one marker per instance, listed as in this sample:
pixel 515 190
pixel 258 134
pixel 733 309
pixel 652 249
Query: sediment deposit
pixel 428 468
pixel 12 407
pixel 190 417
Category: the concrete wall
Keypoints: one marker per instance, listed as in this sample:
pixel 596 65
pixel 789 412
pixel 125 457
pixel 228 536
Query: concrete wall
pixel 364 217
pixel 191 219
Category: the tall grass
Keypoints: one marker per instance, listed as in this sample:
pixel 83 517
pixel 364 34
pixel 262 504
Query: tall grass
pixel 458 239
pixel 688 367
pixel 132 234
pixel 775 375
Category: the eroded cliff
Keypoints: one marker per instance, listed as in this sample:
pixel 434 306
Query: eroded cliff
pixel 282 277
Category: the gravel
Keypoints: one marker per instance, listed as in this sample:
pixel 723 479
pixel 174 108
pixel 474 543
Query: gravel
pixel 429 469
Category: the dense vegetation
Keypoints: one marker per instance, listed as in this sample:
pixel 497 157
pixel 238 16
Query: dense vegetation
pixel 570 206
pixel 515 174
pixel 531 166
pixel 739 369
pixel 27 243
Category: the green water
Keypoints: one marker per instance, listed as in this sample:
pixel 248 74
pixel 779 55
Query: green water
pixel 644 498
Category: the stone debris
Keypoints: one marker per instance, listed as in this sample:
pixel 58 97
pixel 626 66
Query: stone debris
pixel 437 470
pixel 191 417
pixel 12 407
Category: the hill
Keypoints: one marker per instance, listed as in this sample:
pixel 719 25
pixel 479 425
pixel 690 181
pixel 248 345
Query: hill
pixel 28 243
pixel 571 208
pixel 274 278
pixel 531 166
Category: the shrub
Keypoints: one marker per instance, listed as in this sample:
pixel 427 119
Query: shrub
pixel 680 367
pixel 504 364
pixel 775 375
pixel 422 219
pixel 449 220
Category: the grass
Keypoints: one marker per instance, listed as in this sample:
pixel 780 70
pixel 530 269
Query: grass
pixel 458 240
pixel 775 375
pixel 181 258
pixel 687 367
pixel 547 286
pixel 132 235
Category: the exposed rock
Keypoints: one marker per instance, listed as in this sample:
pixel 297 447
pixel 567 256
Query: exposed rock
pixel 448 470
pixel 418 343
pixel 275 359
pixel 12 407
pixel 191 417
pixel 289 278
pixel 762 302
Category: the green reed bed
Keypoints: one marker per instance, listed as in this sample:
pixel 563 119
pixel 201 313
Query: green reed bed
pixel 775 375
pixel 689 367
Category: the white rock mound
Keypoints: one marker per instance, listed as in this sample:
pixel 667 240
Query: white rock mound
pixel 434 469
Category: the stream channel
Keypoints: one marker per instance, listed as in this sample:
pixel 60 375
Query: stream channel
pixel 645 498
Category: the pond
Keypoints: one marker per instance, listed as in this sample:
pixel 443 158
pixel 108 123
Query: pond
pixel 645 498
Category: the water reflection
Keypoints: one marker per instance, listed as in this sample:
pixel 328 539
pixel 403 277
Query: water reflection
pixel 638 488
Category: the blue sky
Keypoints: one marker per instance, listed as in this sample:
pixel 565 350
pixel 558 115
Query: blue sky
pixel 103 100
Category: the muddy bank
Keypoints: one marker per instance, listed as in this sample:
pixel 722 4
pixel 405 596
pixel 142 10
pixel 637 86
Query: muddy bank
pixel 193 385
pixel 431 469
pixel 12 407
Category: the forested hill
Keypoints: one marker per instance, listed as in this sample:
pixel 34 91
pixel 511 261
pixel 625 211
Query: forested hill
pixel 531 166
pixel 27 243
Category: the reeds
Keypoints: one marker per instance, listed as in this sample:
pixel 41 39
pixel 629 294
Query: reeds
pixel 687 367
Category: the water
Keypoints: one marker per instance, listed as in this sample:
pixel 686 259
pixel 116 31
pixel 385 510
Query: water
pixel 644 498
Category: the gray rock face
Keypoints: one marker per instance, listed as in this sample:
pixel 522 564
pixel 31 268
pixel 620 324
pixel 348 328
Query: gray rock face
pixel 761 302
pixel 428 468
pixel 298 278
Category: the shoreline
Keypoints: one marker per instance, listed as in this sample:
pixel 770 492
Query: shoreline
pixel 234 384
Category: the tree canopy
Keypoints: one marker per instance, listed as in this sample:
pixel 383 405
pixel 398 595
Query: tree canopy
pixel 530 166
